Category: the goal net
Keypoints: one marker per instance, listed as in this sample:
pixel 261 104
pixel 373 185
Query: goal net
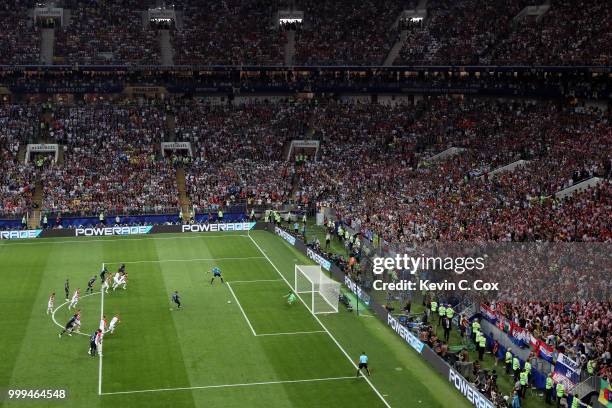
pixel 319 292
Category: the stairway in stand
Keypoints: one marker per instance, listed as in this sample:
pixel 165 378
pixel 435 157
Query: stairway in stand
pixel 396 48
pixel 289 49
pixel 181 185
pixel 21 153
pixel 171 127
pixel 37 199
pixel 296 181
pixel 60 156
pixel 47 43
pixel 44 135
pixel 165 45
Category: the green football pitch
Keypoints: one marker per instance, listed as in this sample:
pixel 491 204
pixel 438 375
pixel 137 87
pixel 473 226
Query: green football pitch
pixel 231 345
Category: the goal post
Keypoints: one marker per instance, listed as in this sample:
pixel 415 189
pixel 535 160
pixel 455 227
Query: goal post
pixel 319 292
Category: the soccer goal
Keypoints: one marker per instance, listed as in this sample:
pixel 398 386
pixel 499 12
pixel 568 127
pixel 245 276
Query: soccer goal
pixel 319 292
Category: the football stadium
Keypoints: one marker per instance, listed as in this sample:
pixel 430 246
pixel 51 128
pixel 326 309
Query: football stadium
pixel 306 203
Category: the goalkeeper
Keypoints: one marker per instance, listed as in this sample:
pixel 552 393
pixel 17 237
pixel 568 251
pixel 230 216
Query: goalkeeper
pixel 291 298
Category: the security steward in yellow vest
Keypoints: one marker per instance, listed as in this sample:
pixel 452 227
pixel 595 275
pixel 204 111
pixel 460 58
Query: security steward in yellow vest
pixel 523 381
pixel 560 393
pixel 548 393
pixel 508 360
pixel 516 368
pixel 441 313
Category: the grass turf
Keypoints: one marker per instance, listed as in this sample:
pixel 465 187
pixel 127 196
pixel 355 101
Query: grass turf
pixel 205 354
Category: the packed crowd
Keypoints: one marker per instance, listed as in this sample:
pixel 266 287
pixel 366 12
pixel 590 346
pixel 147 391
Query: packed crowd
pixel 376 172
pixel 236 32
pixel 17 123
pixel 111 161
pixel 570 33
pixel 418 44
pixel 107 32
pixel 19 44
pixel 542 265
pixel 229 33
pixel 582 330
pixel 239 151
pixel 345 32
pixel 469 32
pixel 458 32
pixel 456 28
pixel 388 187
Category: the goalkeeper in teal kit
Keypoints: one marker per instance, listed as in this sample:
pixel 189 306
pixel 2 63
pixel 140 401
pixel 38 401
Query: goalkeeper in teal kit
pixel 216 274
pixel 291 298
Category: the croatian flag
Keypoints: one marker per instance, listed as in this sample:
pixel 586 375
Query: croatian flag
pixel 546 352
pixel 534 343
pixel 521 335
pixel 488 313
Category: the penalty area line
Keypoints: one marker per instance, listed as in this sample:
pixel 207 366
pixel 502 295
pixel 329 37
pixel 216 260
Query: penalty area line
pixel 241 309
pixel 186 260
pixel 256 280
pixel 204 387
pixel 290 333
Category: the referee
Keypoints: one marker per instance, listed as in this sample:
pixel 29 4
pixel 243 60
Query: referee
pixel 363 363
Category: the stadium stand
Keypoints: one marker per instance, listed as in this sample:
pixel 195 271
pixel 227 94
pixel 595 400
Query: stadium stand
pixel 571 33
pixel 339 33
pixel 113 163
pixel 570 327
pixel 250 139
pixel 461 156
pixel 106 147
pixel 17 122
pixel 107 32
pixel 345 32
pixel 452 186
pixel 249 34
pixel 20 44
pixel 453 32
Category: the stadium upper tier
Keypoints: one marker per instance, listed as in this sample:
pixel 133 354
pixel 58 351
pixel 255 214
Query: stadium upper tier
pixel 342 32
pixel 377 163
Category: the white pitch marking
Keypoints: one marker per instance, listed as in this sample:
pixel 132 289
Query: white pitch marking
pixel 234 385
pixel 187 260
pixel 290 333
pixel 65 303
pixel 241 309
pixel 256 280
